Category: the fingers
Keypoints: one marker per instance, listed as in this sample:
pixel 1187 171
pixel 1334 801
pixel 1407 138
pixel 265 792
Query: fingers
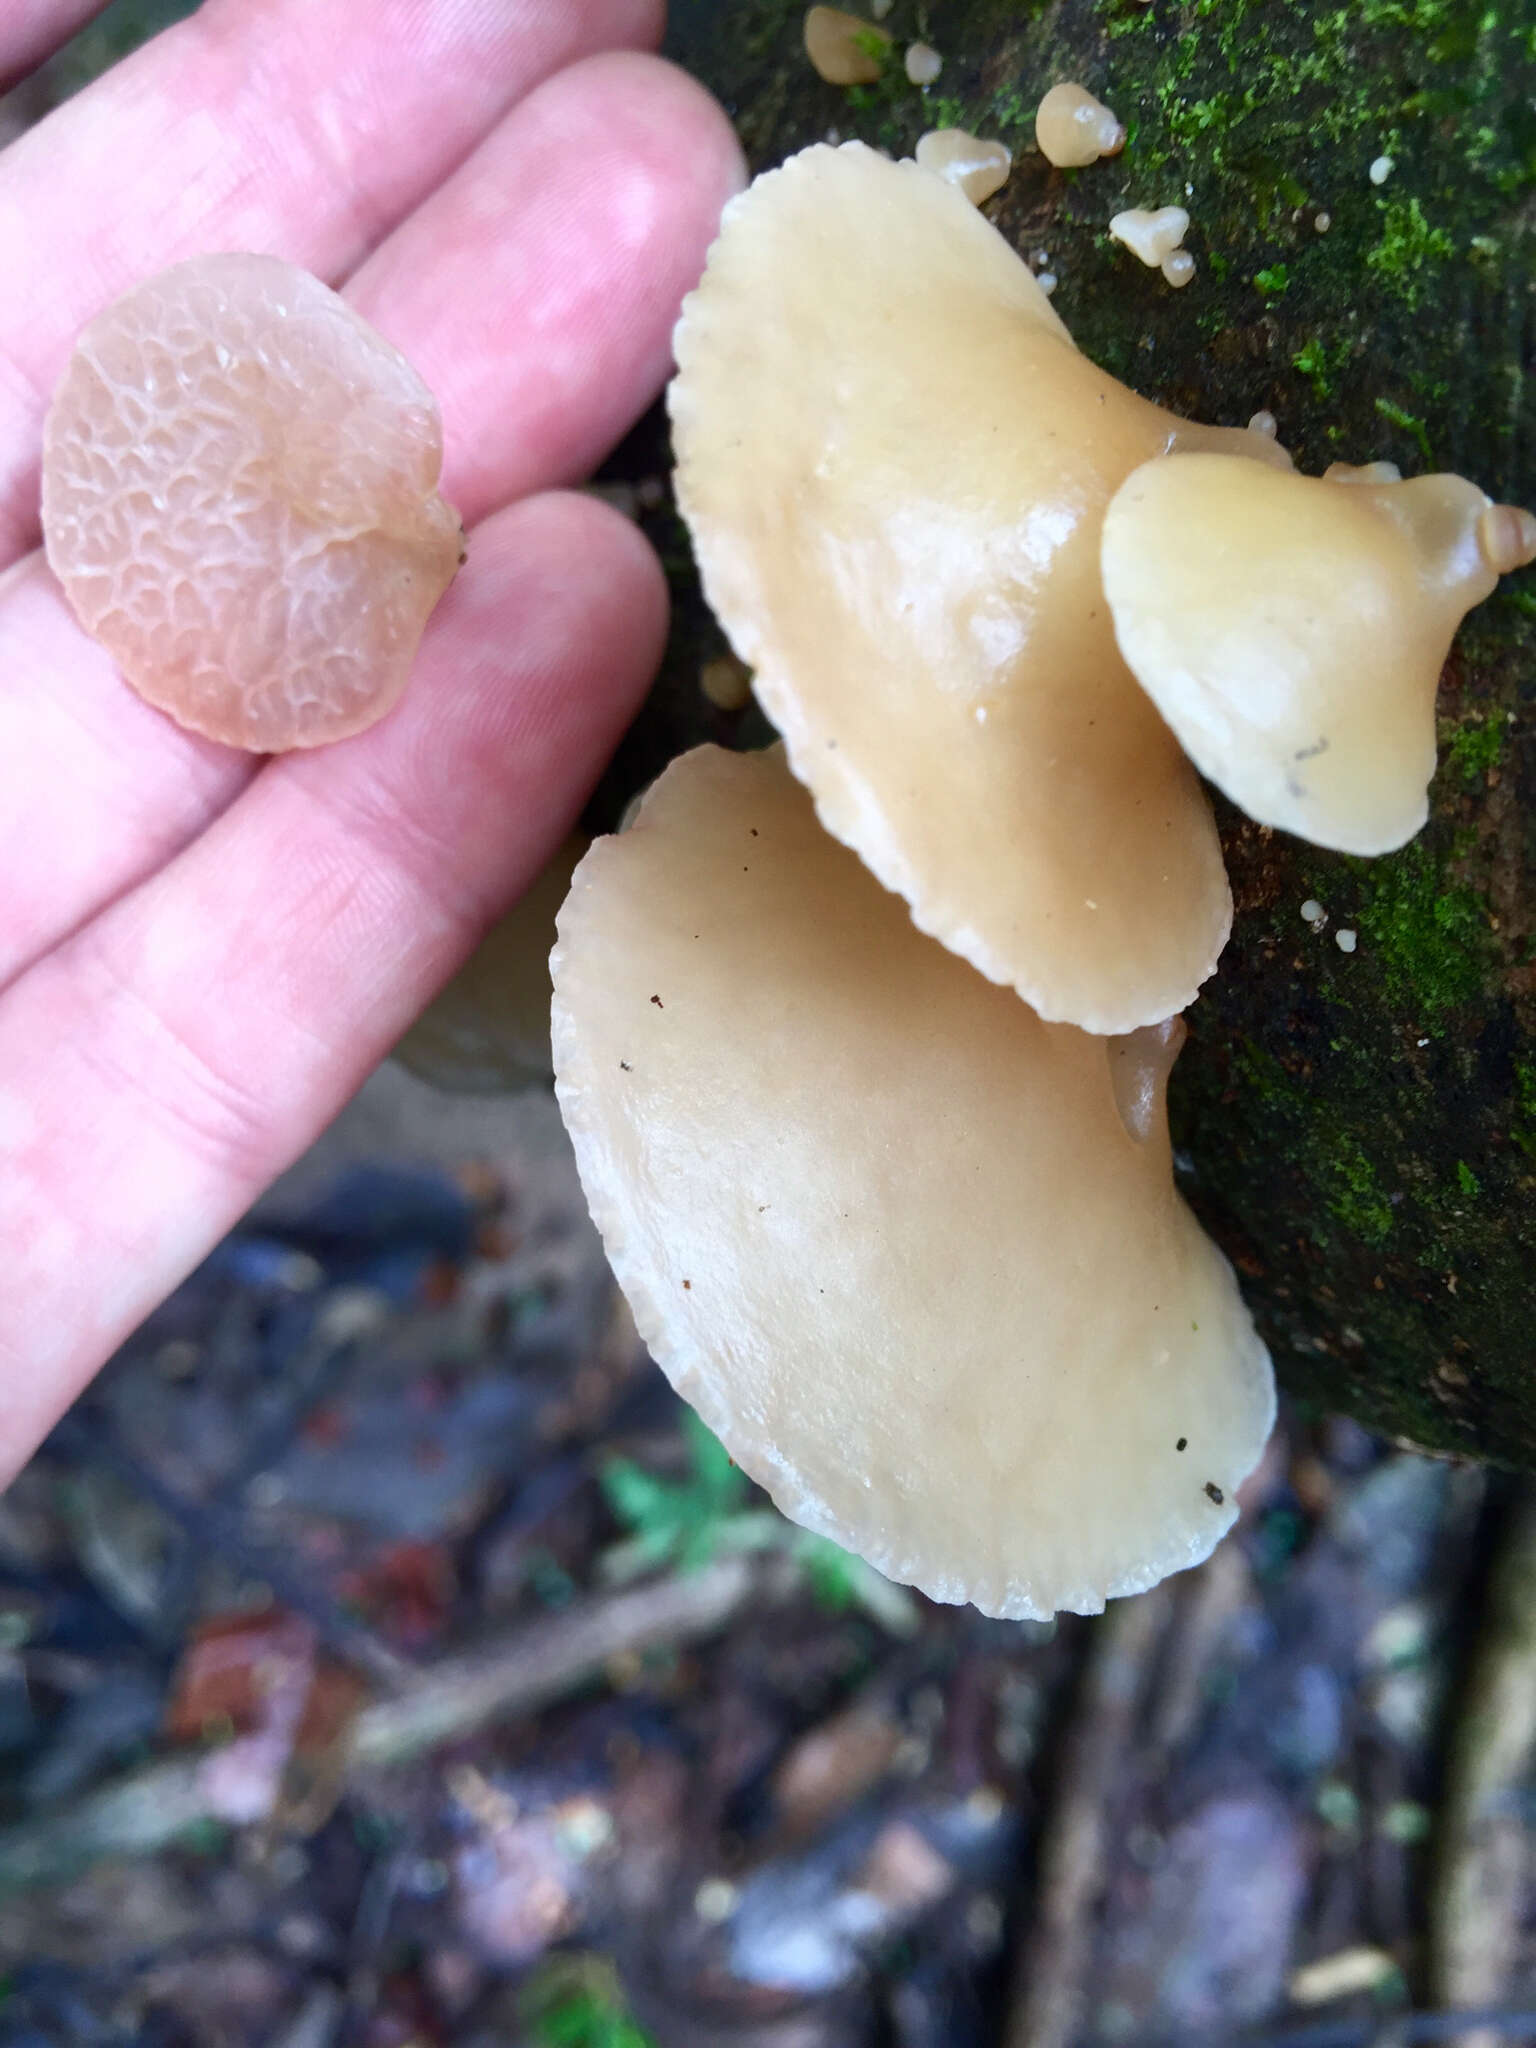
pixel 158 1070
pixel 536 291
pixel 305 128
pixel 96 789
pixel 544 343
pixel 32 29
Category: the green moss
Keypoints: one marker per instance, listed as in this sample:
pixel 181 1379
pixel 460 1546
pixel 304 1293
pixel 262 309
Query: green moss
pixel 1273 281
pixel 1319 360
pixel 1409 423
pixel 1354 1195
pixel 1428 933
pixel 1473 748
pixel 1467 1180
pixel 1408 248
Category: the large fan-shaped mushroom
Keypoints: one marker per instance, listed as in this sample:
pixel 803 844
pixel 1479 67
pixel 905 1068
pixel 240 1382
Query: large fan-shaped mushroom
pixel 915 1255
pixel 895 464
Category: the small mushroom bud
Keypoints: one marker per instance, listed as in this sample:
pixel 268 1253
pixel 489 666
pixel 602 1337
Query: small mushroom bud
pixel 914 1255
pixel 843 49
pixel 978 168
pixel 240 500
pixel 1074 128
pixel 1292 629
pixel 1178 268
pixel 1151 236
pixel 923 64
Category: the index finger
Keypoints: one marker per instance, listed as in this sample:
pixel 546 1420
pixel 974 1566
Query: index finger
pixel 300 128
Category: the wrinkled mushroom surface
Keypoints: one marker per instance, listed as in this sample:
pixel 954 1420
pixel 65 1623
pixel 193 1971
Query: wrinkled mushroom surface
pixel 240 500
pixel 1292 629
pixel 487 1031
pixel 894 464
pixel 891 1234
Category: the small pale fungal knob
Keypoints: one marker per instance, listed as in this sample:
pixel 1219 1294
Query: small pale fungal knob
pixel 894 463
pixel 843 49
pixel 1506 537
pixel 726 683
pixel 1362 473
pixel 923 64
pixel 1178 268
pixel 240 500
pixel 1292 629
pixel 978 168
pixel 1151 234
pixel 487 1031
pixel 914 1255
pixel 1074 128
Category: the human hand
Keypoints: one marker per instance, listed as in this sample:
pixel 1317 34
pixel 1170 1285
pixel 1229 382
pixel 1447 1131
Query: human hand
pixel 202 955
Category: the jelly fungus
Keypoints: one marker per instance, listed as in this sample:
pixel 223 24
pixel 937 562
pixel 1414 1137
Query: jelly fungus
pixel 922 608
pixel 978 168
pixel 1292 629
pixel 923 64
pixel 1178 268
pixel 240 501
pixel 970 1367
pixel 1151 236
pixel 843 49
pixel 1073 128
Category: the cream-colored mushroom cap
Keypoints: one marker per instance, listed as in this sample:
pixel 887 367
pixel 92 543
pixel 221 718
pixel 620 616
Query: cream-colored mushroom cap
pixel 894 464
pixel 1292 630
pixel 487 1031
pixel 240 500
pixel 888 1232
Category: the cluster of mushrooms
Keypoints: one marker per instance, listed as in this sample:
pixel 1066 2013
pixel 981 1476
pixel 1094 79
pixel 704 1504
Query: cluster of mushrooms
pixel 862 1041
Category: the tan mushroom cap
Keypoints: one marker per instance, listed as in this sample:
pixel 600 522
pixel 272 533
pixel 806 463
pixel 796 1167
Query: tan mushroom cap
pixel 884 1228
pixel 1292 630
pixel 240 500
pixel 894 464
pixel 487 1031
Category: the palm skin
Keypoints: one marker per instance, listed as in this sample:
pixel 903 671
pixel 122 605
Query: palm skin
pixel 201 954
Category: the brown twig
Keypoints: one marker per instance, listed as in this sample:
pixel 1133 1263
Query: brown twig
pixel 503 1678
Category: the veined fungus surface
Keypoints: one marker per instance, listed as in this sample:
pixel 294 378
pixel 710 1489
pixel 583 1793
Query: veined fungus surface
pixel 240 500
